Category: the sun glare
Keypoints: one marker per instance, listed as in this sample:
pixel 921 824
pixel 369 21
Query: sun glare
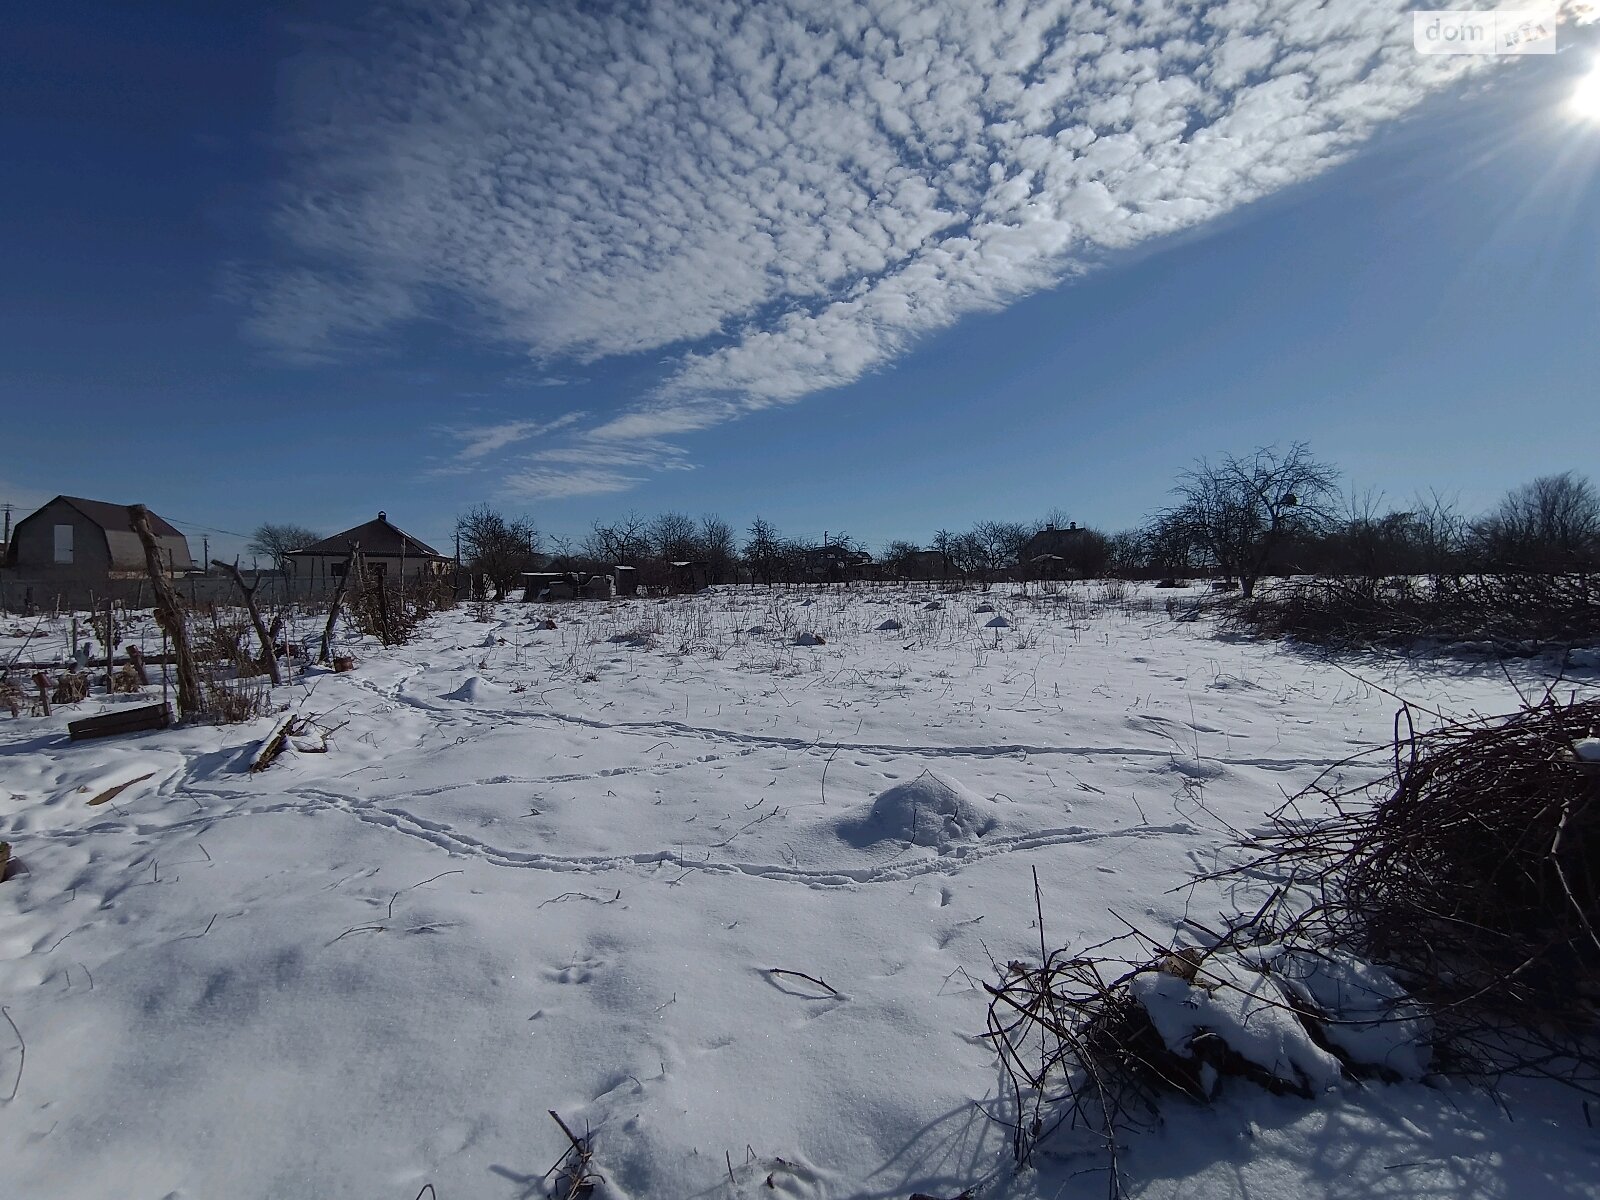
pixel 1585 100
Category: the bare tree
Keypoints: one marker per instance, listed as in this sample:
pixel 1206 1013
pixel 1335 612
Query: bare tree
pixel 895 554
pixel 276 542
pixel 717 547
pixel 994 546
pixel 497 546
pixel 1551 523
pixel 1240 510
pixel 674 537
pixel 623 543
pixel 763 551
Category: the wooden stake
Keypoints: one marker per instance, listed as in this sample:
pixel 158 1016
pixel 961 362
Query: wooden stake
pixel 269 657
pixel 169 615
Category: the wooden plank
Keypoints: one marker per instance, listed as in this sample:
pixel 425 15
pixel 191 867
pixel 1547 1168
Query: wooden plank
pixel 126 720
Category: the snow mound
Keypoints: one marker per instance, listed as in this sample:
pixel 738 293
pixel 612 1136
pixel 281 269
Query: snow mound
pixel 891 623
pixel 1583 658
pixel 997 623
pixel 474 691
pixel 1587 749
pixel 930 810
pixel 488 641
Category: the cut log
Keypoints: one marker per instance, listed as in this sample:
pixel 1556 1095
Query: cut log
pixel 122 720
pixel 272 745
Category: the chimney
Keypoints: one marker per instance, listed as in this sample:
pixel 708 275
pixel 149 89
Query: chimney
pixel 382 516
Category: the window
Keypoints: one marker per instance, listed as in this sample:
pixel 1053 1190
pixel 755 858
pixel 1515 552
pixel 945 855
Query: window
pixel 63 544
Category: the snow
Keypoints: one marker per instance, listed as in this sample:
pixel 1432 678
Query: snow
pixel 541 869
pixel 1587 749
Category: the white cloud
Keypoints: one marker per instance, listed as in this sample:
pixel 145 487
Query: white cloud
pixel 786 196
pixel 484 440
pixel 590 467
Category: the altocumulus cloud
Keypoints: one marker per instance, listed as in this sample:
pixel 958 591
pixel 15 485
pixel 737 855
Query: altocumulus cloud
pixel 784 196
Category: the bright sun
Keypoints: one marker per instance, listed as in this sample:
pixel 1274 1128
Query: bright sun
pixel 1585 100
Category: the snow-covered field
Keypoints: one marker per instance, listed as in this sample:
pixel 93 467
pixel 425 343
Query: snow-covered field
pixel 553 869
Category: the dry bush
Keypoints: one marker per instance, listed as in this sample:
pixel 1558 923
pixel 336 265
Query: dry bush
pixel 232 701
pixel 1440 919
pixel 1511 612
pixel 1473 872
pixel 221 636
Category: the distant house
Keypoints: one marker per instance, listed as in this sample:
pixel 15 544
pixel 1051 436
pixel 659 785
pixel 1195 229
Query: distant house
pixel 1052 553
pixel 833 563
pixel 389 551
pixel 76 541
pixel 926 564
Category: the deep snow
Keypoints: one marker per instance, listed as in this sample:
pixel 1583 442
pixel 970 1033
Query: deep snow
pixel 552 869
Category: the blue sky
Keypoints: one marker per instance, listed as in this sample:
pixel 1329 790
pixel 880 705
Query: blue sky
pixel 882 268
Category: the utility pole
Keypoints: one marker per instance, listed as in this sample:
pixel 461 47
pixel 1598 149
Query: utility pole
pixel 205 553
pixel 6 540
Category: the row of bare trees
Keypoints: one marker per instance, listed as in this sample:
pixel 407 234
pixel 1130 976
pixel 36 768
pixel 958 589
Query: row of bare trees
pixel 1273 511
pixel 1282 512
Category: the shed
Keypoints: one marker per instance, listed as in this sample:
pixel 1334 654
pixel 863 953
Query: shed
pixel 689 576
pixel 71 539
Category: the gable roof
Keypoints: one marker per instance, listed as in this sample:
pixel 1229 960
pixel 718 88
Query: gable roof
pixel 377 537
pixel 114 517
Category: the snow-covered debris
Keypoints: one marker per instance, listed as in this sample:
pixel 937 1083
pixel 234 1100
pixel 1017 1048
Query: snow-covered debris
pixel 1370 1019
pixel 1230 1006
pixel 930 810
pixel 985 607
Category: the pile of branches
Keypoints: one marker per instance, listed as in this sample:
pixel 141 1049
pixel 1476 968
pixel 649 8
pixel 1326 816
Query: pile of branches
pixel 1513 612
pixel 1445 918
pixel 1473 872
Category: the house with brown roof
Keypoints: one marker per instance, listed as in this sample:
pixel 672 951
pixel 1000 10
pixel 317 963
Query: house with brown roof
pixel 389 551
pixel 71 540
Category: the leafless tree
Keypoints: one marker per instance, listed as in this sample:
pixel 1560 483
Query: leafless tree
pixel 1551 523
pixel 623 543
pixel 717 547
pixel 276 541
pixel 674 537
pixel 497 546
pixel 1240 510
pixel 994 546
pixel 763 551
pixel 895 554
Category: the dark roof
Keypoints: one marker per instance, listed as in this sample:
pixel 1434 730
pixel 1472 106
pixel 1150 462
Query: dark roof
pixel 377 537
pixel 115 516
